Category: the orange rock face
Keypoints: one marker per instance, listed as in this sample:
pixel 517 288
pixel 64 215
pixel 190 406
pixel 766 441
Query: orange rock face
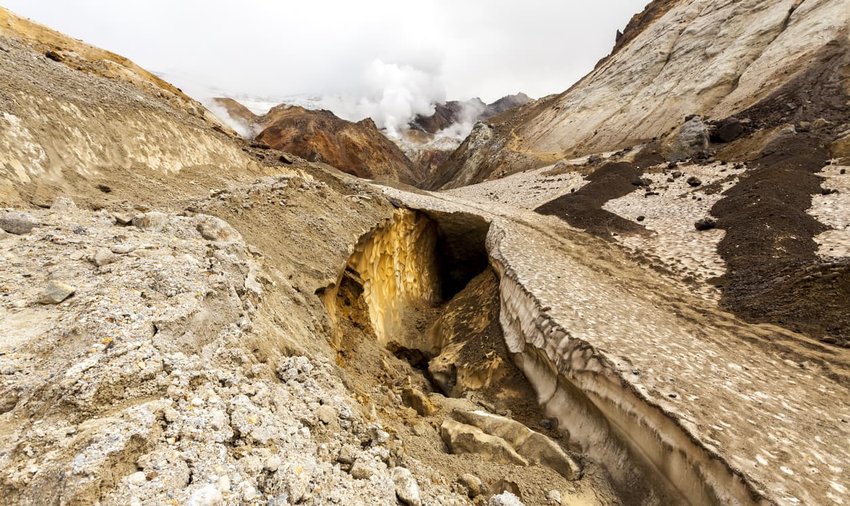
pixel 356 148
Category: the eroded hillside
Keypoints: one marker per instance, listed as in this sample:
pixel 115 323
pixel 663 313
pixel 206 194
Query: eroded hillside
pixel 713 59
pixel 189 317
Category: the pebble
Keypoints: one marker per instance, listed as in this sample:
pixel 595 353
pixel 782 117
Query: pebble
pixel 137 478
pixel 505 499
pixel 326 414
pixel 361 470
pixel 554 497
pixel 103 257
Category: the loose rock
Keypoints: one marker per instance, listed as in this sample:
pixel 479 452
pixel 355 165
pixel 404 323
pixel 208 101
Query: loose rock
pixel 17 222
pixel 505 499
pixel 418 401
pixel 406 488
pixel 472 484
pixel 361 470
pixel 103 257
pixel 326 414
pixel 55 292
pixel 705 224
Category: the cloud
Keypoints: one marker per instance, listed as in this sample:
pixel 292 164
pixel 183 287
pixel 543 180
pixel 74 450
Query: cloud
pixel 485 48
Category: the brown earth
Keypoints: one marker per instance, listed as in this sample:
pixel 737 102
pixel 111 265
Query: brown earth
pixel 358 148
pixel 774 273
pixel 583 208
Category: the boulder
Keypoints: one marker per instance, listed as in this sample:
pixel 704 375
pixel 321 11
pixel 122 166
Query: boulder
pixel 406 487
pixel 417 400
pixel 532 446
pixel 727 130
pixel 691 141
pixel 462 438
pixel 215 229
pixel 17 222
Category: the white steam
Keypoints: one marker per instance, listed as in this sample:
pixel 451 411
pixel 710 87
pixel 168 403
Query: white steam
pixel 470 112
pixel 240 127
pixel 391 94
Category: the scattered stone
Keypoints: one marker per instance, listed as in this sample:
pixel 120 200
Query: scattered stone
pixel 593 159
pixel 727 130
pixel 63 205
pixel 842 171
pixel 406 488
pixel 642 181
pixel 362 470
pixel 103 257
pixel 554 497
pixel 347 455
pixel 505 499
pixel 208 495
pixel 462 438
pixel 137 478
pixel 17 222
pixel 53 55
pixel 326 414
pixel 677 174
pixel 417 400
pixel 153 220
pixel 215 229
pixel 104 188
pixel 473 485
pixel 694 181
pixel 122 219
pixel 820 123
pixel 828 191
pixel 641 218
pixel 55 292
pixel 705 224
pixel 422 429
pixel 804 126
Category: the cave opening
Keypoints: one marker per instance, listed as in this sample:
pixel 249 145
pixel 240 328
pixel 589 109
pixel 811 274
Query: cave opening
pixel 420 289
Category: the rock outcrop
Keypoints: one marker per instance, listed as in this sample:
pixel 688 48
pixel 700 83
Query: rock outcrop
pixel 320 136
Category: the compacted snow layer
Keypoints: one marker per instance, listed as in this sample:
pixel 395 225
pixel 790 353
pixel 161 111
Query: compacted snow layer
pixel 833 210
pixel 670 216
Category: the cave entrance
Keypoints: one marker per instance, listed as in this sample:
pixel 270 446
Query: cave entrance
pixel 420 289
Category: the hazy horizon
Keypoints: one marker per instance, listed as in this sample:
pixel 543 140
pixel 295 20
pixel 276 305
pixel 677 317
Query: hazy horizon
pixel 388 60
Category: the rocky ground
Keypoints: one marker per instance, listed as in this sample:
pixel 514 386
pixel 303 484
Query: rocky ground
pixel 189 318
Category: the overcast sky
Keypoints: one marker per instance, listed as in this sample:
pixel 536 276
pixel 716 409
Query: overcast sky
pixel 485 48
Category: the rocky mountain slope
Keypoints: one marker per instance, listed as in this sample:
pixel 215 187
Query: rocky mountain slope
pixel 355 148
pixel 468 111
pixel 678 58
pixel 188 317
